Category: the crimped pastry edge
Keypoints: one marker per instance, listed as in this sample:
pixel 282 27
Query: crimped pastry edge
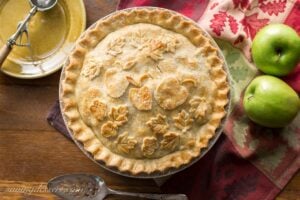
pixel 90 38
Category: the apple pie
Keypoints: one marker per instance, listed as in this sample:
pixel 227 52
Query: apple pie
pixel 144 90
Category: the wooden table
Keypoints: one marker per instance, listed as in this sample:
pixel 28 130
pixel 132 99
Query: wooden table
pixel 32 152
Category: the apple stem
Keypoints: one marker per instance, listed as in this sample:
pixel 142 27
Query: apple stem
pixel 250 97
pixel 278 51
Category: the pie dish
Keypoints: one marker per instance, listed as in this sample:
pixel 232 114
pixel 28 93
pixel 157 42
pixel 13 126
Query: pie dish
pixel 144 91
pixel 51 34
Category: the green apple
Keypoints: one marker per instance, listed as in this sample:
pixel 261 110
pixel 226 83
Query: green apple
pixel 270 102
pixel 276 49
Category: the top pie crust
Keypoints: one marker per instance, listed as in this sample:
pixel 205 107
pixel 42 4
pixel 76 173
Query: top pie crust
pixel 144 90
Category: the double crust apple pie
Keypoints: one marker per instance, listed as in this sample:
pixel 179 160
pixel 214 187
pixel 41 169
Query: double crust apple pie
pixel 144 90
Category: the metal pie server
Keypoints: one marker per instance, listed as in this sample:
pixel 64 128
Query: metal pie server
pixel 91 187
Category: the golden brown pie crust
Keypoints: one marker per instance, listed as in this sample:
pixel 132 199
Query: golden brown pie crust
pixel 165 148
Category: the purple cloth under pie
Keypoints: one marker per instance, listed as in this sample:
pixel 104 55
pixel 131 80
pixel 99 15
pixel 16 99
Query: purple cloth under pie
pixel 55 119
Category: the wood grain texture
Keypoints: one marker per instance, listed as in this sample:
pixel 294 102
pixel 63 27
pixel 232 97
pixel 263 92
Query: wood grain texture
pixel 32 190
pixel 32 152
pixel 4 52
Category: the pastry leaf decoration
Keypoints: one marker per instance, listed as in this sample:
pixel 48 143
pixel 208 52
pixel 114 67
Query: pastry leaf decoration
pixel 115 46
pixel 170 141
pixel 109 129
pixel 158 124
pixel 199 109
pixel 98 109
pixel 92 68
pixel 126 143
pixel 119 115
pixel 149 146
pixel 141 98
pixel 183 121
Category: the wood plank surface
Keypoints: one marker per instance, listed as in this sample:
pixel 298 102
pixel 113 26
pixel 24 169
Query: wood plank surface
pixel 32 152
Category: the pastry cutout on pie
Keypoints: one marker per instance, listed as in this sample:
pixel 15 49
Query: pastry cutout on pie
pixel 92 69
pixel 170 93
pixel 98 109
pixel 109 129
pixel 158 124
pixel 130 62
pixel 115 82
pixel 200 109
pixel 119 115
pixel 147 94
pixel 183 121
pixel 138 82
pixel 170 141
pixel 115 46
pixel 149 146
pixel 141 98
pixel 92 109
pixel 125 143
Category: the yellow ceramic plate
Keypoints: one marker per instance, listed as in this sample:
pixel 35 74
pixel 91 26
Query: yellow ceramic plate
pixel 51 34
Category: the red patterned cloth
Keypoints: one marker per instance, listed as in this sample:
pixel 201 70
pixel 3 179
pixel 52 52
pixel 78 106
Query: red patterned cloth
pixel 191 8
pixel 249 161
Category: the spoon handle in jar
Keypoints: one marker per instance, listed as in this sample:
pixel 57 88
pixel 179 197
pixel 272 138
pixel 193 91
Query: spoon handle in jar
pixel 150 196
pixel 22 26
pixel 5 50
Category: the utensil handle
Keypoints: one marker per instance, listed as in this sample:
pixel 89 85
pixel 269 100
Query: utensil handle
pixel 151 196
pixel 5 50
